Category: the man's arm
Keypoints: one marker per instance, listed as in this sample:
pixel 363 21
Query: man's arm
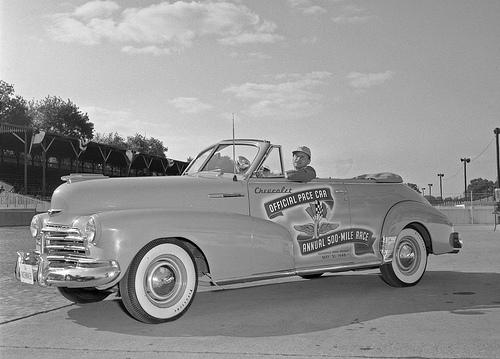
pixel 305 174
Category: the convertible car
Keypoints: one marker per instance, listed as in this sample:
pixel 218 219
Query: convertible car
pixel 231 217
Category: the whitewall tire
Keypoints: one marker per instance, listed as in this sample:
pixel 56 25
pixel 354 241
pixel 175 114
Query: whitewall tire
pixel 409 261
pixel 160 283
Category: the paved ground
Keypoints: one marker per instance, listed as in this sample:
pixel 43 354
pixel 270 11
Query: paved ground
pixel 454 312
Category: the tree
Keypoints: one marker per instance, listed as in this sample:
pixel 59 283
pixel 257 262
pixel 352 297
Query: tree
pixel 13 108
pixel 52 114
pixel 413 186
pixel 111 139
pixel 481 187
pixel 151 146
pixel 138 143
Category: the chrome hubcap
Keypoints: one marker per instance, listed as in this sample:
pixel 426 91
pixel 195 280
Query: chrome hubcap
pixel 163 281
pixel 407 256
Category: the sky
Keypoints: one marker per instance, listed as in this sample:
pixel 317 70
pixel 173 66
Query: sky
pixel 409 87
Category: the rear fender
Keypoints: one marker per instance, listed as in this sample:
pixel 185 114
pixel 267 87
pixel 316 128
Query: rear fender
pixel 433 226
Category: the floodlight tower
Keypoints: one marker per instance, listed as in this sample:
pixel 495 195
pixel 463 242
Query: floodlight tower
pixel 497 132
pixel 430 191
pixel 465 161
pixel 441 175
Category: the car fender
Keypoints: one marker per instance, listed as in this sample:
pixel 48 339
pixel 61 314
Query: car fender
pixel 225 240
pixel 434 226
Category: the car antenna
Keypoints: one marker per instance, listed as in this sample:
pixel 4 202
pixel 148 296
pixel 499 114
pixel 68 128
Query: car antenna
pixel 235 179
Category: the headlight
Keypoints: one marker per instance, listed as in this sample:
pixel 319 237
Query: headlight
pixel 36 226
pixel 91 230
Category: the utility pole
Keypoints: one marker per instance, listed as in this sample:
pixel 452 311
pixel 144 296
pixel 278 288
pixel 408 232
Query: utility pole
pixel 497 132
pixel 441 175
pixel 465 161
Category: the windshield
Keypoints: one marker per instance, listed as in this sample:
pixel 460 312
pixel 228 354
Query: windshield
pixel 221 160
pixel 195 166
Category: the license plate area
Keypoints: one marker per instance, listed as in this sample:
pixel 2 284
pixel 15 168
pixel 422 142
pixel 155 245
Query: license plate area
pixel 27 273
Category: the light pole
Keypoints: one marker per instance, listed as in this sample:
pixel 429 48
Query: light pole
pixel 465 161
pixel 497 132
pixel 430 191
pixel 423 191
pixel 441 175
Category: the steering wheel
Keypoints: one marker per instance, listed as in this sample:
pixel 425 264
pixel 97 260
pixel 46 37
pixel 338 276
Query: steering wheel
pixel 263 171
pixel 242 164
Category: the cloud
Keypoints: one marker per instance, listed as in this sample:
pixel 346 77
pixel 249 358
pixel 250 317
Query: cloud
pixel 155 50
pixel 178 24
pixel 292 96
pixel 107 121
pixel 190 105
pixel 96 9
pixel 306 7
pixel 364 81
pixel 250 56
pixel 352 14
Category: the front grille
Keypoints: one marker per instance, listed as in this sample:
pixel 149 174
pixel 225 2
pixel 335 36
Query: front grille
pixel 60 241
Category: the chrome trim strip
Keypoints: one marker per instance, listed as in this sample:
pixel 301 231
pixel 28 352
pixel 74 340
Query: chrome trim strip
pixel 225 195
pixel 273 275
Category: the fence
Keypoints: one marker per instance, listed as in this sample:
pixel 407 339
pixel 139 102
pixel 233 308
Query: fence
pixel 477 199
pixel 475 208
pixel 17 201
pixel 470 215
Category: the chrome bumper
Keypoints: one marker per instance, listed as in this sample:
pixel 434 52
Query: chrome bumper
pixel 64 271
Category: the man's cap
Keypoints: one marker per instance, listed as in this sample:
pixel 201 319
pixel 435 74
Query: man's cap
pixel 304 149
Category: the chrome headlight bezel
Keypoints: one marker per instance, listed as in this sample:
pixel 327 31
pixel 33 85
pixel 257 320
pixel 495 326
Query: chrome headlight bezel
pixel 92 230
pixel 36 226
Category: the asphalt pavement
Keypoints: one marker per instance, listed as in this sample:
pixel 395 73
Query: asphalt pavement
pixel 454 312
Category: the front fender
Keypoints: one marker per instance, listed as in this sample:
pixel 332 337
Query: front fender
pixel 225 240
pixel 434 226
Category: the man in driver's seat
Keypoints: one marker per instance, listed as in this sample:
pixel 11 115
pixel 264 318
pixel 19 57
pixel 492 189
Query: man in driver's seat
pixel 302 172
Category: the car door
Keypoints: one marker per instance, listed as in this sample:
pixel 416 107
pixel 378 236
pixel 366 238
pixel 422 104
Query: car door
pixel 315 217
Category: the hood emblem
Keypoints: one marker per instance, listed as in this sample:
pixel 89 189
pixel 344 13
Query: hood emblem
pixel 54 211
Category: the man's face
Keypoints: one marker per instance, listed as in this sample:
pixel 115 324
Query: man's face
pixel 300 159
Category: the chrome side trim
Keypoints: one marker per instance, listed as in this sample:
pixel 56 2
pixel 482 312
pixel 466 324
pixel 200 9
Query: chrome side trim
pixel 273 275
pixel 225 195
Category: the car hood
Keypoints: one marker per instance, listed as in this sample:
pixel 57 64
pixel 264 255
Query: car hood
pixel 111 194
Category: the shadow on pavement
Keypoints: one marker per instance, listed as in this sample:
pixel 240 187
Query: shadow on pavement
pixel 304 306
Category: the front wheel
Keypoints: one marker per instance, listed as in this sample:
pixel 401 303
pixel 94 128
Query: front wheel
pixel 161 282
pixel 409 261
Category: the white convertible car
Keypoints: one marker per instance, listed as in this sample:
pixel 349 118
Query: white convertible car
pixel 149 239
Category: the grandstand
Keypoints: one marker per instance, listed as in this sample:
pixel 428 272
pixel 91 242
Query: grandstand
pixel 32 163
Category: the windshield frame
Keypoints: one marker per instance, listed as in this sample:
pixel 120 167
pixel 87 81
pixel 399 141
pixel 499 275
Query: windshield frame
pixel 198 165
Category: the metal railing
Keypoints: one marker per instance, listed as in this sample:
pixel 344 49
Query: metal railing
pixel 10 200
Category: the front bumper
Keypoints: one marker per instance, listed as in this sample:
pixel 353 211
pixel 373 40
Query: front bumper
pixel 64 271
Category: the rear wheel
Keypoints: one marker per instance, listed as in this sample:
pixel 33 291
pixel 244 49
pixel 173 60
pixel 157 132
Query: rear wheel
pixel 84 295
pixel 409 262
pixel 161 282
